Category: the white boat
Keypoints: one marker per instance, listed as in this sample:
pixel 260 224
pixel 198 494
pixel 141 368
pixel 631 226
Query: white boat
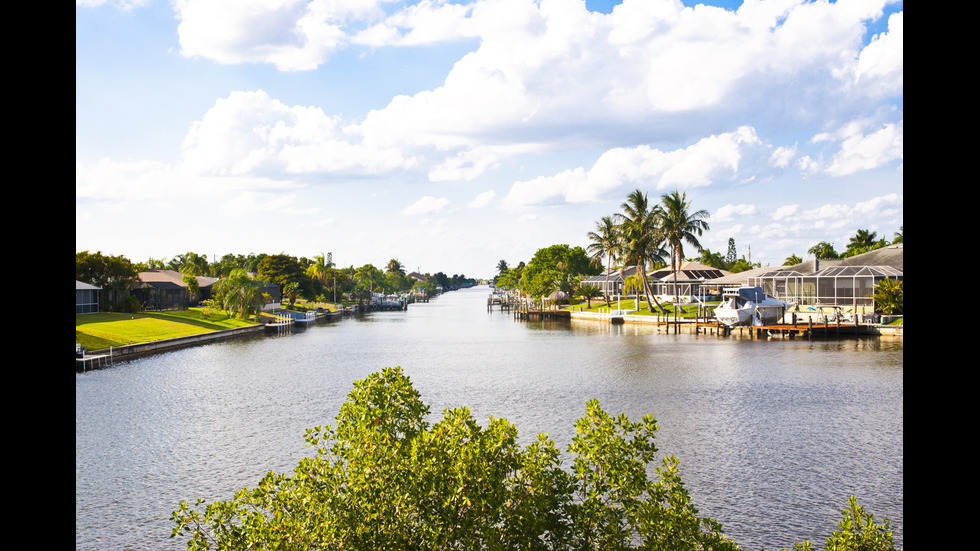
pixel 749 306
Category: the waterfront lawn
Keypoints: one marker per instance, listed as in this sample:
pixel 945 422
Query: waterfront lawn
pixel 105 329
pixel 598 305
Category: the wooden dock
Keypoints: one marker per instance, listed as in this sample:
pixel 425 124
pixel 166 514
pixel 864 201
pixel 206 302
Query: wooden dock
pixel 528 314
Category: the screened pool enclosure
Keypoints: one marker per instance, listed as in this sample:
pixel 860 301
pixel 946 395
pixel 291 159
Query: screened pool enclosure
pixel 844 286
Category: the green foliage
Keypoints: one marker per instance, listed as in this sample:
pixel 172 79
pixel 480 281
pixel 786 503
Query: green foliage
pixel 555 267
pixel 889 296
pixel 823 251
pixel 589 292
pixel 858 532
pixel 115 275
pixel 385 478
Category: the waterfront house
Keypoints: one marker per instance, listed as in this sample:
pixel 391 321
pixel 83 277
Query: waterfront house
pixel 166 290
pixel 847 283
pixel 86 297
pixel 613 285
pixel 691 279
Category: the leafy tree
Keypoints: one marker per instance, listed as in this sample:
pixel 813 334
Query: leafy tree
pixel 742 265
pixel 858 532
pixel 889 296
pixel 193 288
pixel 604 243
pixel 680 225
pixel 899 235
pixel 511 279
pixel 369 280
pixel 291 291
pixel 385 478
pixel 282 269
pixel 555 267
pixel 714 260
pixel 116 275
pixel 641 240
pixel 190 263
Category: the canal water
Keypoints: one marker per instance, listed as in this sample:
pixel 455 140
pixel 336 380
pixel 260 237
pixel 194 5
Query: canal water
pixel 772 435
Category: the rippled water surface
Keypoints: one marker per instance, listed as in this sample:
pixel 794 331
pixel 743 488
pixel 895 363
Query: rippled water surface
pixel 772 435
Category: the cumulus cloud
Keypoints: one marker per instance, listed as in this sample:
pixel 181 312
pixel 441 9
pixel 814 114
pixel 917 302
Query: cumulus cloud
pixel 784 212
pixel 834 212
pixel 426 205
pixel 293 35
pixel 728 213
pixel 252 133
pixel 482 200
pixel 861 151
pixel 710 160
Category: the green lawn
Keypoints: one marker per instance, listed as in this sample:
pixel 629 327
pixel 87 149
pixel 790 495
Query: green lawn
pixel 689 311
pixel 102 330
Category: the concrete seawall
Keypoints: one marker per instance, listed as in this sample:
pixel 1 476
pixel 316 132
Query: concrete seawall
pixel 689 326
pixel 140 349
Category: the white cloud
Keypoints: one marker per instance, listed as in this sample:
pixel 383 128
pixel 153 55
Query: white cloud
pixel 728 213
pixel 426 205
pixel 880 69
pixel 252 133
pixel 785 211
pixel 868 151
pixel 481 200
pixel 293 35
pixel 711 159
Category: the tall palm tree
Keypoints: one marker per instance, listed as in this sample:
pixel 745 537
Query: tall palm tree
pixel 681 225
pixel 863 239
pixel 605 244
pixel 394 265
pixel 640 240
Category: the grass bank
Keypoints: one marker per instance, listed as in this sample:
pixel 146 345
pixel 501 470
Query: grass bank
pixel 687 311
pixel 105 329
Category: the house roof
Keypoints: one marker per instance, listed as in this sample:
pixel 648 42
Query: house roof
pixel 164 279
pixel 614 275
pixel 741 278
pixel 892 255
pixel 691 271
pixel 82 286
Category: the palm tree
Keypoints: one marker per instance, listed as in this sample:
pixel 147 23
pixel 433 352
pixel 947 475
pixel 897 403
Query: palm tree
pixel 394 265
pixel 589 292
pixel 792 260
pixel 679 225
pixel 605 243
pixel 239 293
pixel 640 240
pixel 863 239
pixel 822 251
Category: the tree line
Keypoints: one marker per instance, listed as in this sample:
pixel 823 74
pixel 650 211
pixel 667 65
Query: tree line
pixel 647 236
pixel 243 279
pixel 643 235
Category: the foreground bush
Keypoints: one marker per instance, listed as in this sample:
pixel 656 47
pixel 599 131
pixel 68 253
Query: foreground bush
pixel 385 478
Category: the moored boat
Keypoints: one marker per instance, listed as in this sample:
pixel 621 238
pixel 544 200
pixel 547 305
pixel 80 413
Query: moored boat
pixel 749 306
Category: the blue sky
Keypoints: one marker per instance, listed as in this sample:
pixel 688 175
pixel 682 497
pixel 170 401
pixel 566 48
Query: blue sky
pixel 451 135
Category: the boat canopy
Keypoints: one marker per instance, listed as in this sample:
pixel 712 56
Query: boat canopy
pixel 754 294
